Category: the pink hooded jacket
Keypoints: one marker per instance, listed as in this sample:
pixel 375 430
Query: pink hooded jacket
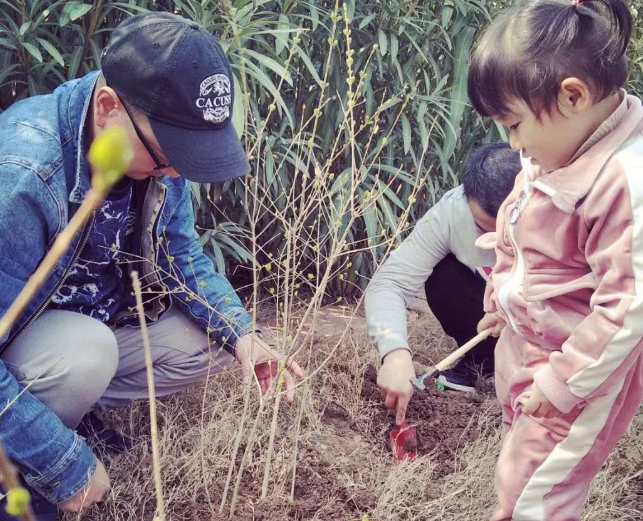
pixel 569 270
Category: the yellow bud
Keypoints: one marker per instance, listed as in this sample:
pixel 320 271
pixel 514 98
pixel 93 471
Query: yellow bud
pixel 110 154
pixel 18 499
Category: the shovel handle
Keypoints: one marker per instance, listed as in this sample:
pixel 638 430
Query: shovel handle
pixel 461 351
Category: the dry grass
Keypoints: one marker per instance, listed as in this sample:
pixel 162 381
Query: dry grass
pixel 344 469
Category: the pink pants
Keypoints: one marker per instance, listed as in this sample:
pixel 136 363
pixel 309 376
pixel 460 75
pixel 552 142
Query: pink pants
pixel 546 465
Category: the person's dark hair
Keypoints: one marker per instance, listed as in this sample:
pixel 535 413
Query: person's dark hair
pixel 530 49
pixel 488 175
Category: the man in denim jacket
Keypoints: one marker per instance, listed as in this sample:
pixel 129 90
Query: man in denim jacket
pixel 168 84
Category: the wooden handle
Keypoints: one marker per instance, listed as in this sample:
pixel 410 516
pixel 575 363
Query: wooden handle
pixel 461 351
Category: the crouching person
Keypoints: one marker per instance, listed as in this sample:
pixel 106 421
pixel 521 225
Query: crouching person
pixel 441 256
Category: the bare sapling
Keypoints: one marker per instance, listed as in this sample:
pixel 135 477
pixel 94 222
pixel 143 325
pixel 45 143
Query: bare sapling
pixel 160 505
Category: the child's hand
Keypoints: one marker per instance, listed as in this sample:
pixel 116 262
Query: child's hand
pixel 394 381
pixel 536 404
pixel 491 321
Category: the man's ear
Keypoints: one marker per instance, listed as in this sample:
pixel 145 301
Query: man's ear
pixel 106 105
pixel 574 94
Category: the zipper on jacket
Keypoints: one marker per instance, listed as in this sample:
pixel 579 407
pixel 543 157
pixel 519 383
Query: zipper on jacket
pixel 79 249
pixel 516 281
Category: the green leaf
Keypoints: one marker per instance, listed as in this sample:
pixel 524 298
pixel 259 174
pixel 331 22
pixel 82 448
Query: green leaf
pixel 24 28
pixel 4 42
pixel 406 133
pixel 281 39
pixel 502 131
pixel 271 64
pixel 53 52
pixel 367 20
pixel 458 98
pixel 219 259
pixel 267 83
pixel 383 42
pixel 309 65
pixel 390 103
pixel 314 14
pixel 74 63
pixel 73 11
pixel 395 46
pixel 6 72
pixel 33 50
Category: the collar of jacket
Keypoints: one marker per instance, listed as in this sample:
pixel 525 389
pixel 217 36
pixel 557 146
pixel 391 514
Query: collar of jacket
pixel 571 183
pixel 77 109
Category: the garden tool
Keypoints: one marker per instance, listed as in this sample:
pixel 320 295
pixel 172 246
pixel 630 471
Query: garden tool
pixel 404 442
pixel 450 360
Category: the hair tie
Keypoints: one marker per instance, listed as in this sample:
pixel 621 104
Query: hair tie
pixel 577 3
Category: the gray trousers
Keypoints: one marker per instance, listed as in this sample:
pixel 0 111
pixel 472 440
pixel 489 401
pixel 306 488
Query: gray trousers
pixel 87 364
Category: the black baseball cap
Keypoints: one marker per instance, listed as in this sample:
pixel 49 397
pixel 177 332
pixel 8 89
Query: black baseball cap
pixel 177 74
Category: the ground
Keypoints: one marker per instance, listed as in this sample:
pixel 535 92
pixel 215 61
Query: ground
pixel 334 439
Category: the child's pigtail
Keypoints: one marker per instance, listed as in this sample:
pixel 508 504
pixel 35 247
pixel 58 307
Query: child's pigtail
pixel 620 17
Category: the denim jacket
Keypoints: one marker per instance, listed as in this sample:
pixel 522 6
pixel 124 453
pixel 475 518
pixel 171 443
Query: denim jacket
pixel 43 179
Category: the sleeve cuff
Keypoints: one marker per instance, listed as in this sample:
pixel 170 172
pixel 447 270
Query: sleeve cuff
pixel 487 241
pixel 69 476
pixel 389 342
pixel 557 392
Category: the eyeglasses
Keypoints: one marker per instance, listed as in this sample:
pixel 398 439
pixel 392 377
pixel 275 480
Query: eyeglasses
pixel 159 164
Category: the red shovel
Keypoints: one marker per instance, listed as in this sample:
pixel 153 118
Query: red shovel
pixel 404 442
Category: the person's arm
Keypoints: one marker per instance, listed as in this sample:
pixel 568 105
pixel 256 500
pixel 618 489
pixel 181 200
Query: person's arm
pixel 224 316
pixel 604 347
pixel 51 457
pixel 402 277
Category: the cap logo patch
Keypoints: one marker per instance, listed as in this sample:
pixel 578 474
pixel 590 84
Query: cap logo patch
pixel 215 98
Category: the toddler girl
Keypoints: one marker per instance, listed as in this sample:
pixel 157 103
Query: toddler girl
pixel 568 281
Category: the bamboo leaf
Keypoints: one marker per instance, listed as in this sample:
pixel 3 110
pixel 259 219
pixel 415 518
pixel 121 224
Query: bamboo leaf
pixel 383 42
pixel 314 15
pixel 281 39
pixel 53 52
pixel 395 46
pixel 4 42
pixel 271 64
pixel 24 28
pixel 73 11
pixel 406 133
pixel 33 50
pixel 367 20
pixel 458 98
pixel 309 65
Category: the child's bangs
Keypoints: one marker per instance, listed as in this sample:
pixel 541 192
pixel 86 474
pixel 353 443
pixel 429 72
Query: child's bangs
pixel 496 80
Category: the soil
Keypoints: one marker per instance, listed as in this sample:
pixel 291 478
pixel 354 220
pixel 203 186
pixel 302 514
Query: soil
pixel 341 445
pixel 444 420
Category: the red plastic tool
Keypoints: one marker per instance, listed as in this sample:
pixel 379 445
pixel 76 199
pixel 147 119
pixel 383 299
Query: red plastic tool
pixel 404 442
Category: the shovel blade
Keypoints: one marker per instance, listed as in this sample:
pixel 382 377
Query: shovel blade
pixel 404 442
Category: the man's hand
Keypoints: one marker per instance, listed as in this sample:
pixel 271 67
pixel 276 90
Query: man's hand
pixel 536 404
pixel 253 353
pixel 492 321
pixel 394 381
pixel 92 493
